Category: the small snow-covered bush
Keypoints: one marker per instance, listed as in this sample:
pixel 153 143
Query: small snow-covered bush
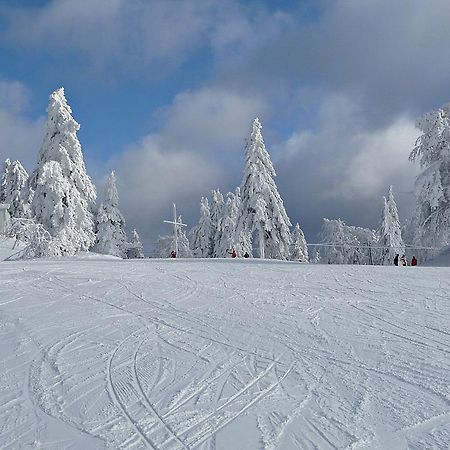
pixel 38 240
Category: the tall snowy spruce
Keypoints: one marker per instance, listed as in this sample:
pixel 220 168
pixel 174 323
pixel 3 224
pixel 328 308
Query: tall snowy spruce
pixel 64 196
pixel 14 189
pixel 390 233
pixel 431 224
pixel 299 249
pixel 262 212
pixel 202 235
pixel 135 249
pixel 110 223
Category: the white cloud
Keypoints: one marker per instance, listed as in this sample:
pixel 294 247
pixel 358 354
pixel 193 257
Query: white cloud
pixel 20 136
pixel 199 146
pixel 345 166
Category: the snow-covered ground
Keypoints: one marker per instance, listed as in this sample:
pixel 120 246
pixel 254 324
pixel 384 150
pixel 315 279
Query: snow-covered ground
pixel 223 354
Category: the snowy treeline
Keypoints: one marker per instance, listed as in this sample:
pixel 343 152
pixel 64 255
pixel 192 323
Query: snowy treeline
pixel 344 244
pixel 54 209
pixel 252 220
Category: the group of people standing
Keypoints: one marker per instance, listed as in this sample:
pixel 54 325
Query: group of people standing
pixel 404 261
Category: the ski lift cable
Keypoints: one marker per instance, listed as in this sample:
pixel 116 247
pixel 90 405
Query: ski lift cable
pixel 406 246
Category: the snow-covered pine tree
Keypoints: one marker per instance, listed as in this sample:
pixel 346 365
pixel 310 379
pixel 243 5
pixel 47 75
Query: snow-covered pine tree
pixel 226 228
pixel 299 249
pixel 201 236
pixel 6 167
pixel 390 235
pixel 216 208
pixel 64 196
pixel 431 224
pixel 110 224
pixel 316 257
pixel 135 249
pixel 262 210
pixel 14 189
pixel 184 250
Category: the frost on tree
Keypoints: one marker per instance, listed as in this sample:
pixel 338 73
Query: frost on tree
pixel 217 205
pixel 110 224
pixel 431 223
pixel 202 235
pixel 390 234
pixel 225 238
pixel 135 249
pixel 343 244
pixel 299 249
pixel 14 189
pixel 216 213
pixel 262 212
pixel 64 196
pixel 6 169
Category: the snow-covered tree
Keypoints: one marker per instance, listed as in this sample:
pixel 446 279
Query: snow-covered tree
pixel 135 249
pixel 225 238
pixel 6 168
pixel 390 235
pixel 38 241
pixel 14 189
pixel 262 210
pixel 316 257
pixel 299 249
pixel 431 224
pixel 184 249
pixel 202 235
pixel 343 244
pixel 64 196
pixel 217 205
pixel 216 208
pixel 110 224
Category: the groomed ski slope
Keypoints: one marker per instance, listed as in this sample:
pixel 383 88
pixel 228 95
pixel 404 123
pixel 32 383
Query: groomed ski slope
pixel 223 354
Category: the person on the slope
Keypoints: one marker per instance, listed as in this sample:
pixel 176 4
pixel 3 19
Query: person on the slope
pixel 396 259
pixel 404 260
pixel 414 261
pixel 232 252
pixel 173 254
pixel 246 255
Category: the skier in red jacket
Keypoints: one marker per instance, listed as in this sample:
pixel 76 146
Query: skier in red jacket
pixel 414 261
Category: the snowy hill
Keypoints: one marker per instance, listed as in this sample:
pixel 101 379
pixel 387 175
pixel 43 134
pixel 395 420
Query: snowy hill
pixel 224 354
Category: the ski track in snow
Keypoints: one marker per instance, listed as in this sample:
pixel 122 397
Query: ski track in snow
pixel 210 355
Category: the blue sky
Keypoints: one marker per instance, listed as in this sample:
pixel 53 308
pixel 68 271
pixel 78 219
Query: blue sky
pixel 165 92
